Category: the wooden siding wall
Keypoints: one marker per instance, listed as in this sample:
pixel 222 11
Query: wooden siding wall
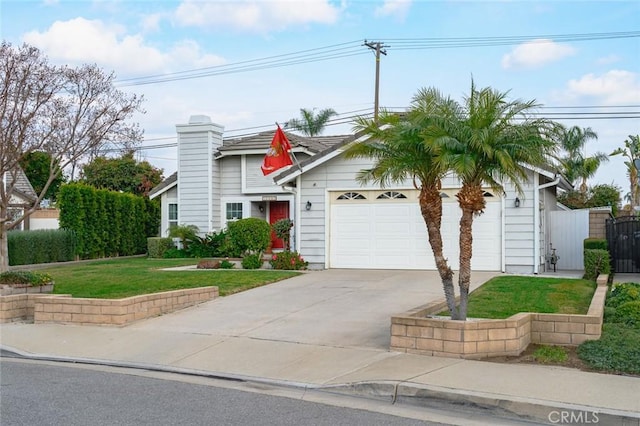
pixel 518 228
pixel 197 172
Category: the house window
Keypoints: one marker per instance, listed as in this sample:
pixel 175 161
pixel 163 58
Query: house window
pixel 352 196
pixel 173 215
pixel 234 211
pixel 390 195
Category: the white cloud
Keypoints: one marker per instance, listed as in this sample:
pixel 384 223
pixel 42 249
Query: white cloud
pixel 256 16
pixel 80 41
pixel 535 53
pixel 396 8
pixel 609 59
pixel 615 87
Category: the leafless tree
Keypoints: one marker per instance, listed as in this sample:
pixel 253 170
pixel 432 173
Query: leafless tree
pixel 67 112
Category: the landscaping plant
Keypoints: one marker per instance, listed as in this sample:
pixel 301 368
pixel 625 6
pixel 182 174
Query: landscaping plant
pixel 288 260
pixel 618 349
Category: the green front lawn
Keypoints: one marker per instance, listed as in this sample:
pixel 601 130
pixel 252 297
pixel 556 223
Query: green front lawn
pixel 117 278
pixel 504 296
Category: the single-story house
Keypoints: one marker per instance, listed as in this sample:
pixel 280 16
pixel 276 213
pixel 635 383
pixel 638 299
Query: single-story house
pixel 340 223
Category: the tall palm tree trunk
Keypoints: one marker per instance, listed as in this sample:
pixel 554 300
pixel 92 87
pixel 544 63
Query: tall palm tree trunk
pixel 431 208
pixel 471 200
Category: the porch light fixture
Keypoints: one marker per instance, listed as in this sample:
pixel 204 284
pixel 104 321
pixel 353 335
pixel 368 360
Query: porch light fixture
pixel 516 203
pixel 308 206
pixel 261 208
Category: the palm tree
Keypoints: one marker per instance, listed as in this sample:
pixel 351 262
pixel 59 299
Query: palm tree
pixel 631 150
pixel 400 151
pixel 310 123
pixel 576 166
pixel 484 141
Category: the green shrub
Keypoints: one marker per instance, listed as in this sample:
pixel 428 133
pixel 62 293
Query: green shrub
pixel 623 293
pixel 41 246
pixel 628 313
pixel 596 262
pixel 106 223
pixel 25 277
pixel 252 261
pixel 211 245
pixel 249 236
pixel 595 244
pixel 618 350
pixel 225 264
pixel 288 260
pixel 157 246
pixel 185 232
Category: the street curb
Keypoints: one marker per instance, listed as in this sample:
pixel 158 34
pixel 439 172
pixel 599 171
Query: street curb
pixel 393 392
pixel 547 412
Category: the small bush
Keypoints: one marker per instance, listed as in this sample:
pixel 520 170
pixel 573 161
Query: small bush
pixel 628 313
pixel 288 260
pixel 252 261
pixel 596 262
pixel 623 293
pixel 25 277
pixel 211 245
pixel 250 235
pixel 157 246
pixel 225 264
pixel 595 244
pixel 282 229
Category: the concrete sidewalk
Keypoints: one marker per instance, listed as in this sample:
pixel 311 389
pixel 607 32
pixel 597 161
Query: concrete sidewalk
pixel 329 330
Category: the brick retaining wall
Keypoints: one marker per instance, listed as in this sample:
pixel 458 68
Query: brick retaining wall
pixel 64 309
pixel 414 332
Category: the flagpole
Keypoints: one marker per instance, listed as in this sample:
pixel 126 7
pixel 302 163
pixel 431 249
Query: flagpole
pixel 291 152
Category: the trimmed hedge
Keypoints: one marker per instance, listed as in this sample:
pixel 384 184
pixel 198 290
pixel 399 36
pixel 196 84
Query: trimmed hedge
pixel 41 246
pixel 595 244
pixel 106 223
pixel 596 262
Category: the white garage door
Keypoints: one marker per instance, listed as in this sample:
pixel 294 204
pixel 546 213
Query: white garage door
pixel 385 230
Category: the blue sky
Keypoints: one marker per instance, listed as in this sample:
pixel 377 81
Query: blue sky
pixel 560 58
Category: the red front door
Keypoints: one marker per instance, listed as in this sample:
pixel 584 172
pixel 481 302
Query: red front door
pixel 277 210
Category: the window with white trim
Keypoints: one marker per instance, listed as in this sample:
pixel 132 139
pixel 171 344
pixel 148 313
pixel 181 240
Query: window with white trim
pixel 233 211
pixel 173 215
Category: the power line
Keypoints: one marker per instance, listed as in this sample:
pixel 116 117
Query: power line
pixel 352 48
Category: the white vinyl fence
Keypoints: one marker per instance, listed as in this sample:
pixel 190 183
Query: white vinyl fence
pixel 567 231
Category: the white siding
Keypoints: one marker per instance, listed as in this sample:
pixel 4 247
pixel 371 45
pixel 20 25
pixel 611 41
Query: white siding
pixel 230 169
pixel 253 179
pixel 519 228
pixel 196 171
pixel 168 197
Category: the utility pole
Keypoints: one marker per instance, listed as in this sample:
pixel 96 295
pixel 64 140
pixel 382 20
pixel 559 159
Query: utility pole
pixel 378 47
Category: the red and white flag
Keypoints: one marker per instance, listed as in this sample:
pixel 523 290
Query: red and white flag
pixel 277 156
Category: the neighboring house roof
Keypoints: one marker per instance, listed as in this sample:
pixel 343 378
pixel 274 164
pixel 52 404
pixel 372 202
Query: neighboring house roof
pixel 23 187
pixel 164 186
pixel 262 141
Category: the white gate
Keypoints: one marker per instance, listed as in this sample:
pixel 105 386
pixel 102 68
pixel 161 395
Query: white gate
pixel 567 231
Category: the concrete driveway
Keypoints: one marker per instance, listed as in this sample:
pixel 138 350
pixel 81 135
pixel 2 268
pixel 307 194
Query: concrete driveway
pixel 337 307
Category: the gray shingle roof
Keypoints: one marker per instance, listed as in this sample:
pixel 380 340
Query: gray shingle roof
pixel 23 187
pixel 262 140
pixel 165 183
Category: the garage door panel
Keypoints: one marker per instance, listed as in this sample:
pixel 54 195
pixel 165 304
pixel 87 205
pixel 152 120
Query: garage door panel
pixel 391 234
